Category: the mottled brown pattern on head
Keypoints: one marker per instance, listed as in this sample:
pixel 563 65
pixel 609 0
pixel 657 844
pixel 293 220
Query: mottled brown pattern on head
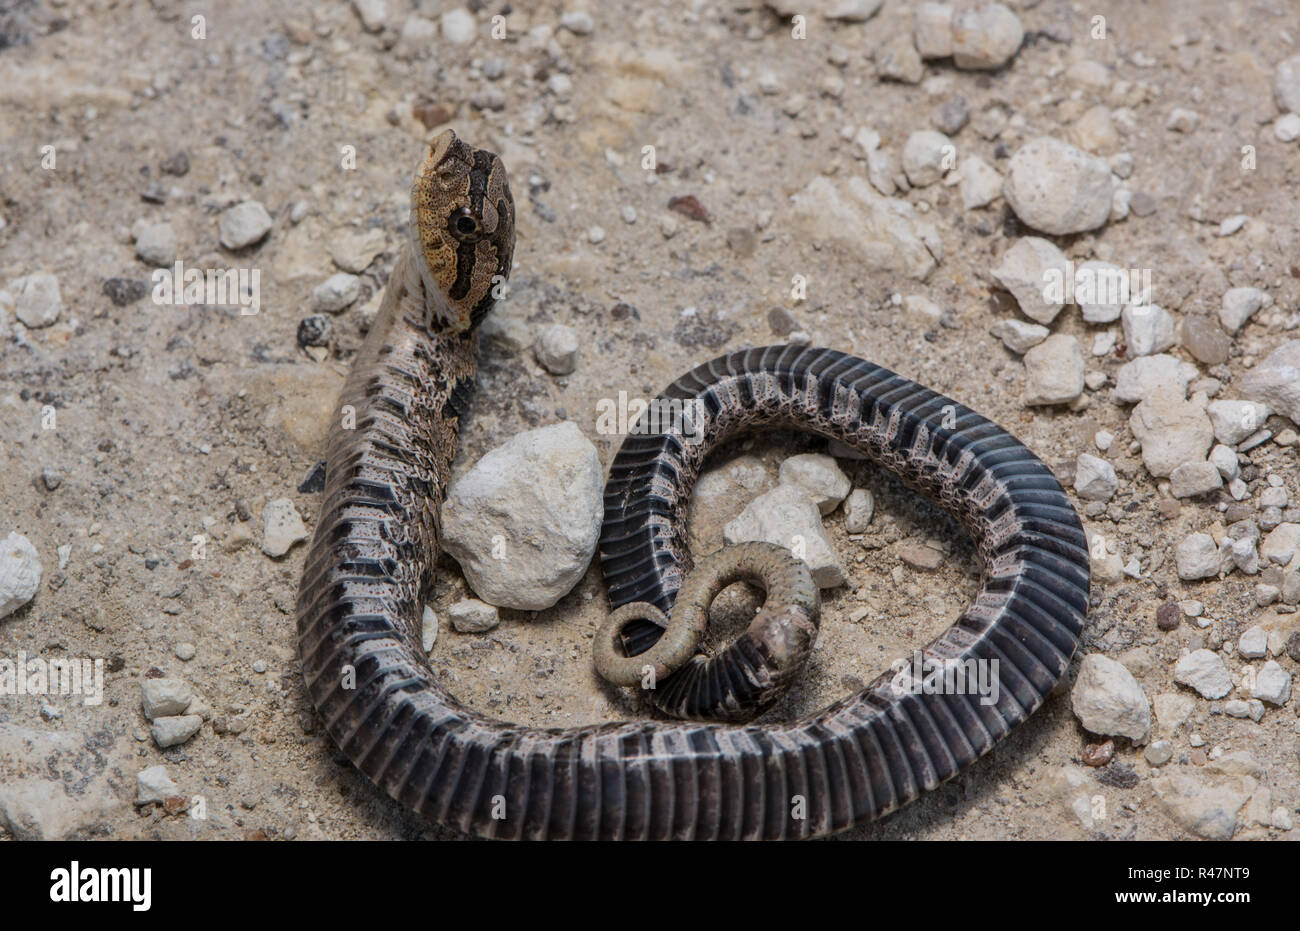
pixel 463 221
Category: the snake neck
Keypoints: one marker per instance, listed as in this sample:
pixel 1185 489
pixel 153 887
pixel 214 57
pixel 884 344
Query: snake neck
pixel 400 414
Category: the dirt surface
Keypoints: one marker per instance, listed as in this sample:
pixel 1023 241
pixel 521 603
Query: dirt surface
pixel 177 422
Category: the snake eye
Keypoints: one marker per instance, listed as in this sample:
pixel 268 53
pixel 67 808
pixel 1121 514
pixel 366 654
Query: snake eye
pixel 463 223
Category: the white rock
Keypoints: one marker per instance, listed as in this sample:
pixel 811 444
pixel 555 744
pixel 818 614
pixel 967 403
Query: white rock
pixel 980 183
pixel 428 629
pixel 243 224
pixel 282 527
pixel 880 171
pixel 1232 224
pixel 1208 811
pixel 459 26
pixel 1054 371
pixel 1108 701
pixel 1286 84
pixel 1287 128
pixel 37 299
pixel 858 508
pixel 1144 377
pixel 1034 271
pixel 372 13
pixel 898 60
pixel 1100 290
pixel 1148 329
pixel 336 292
pixel 580 23
pixel 164 697
pixel 1253 644
pixel 819 476
pixel 1272 684
pixel 985 38
pixel 557 349
pixel 1194 478
pixel 524 522
pixel 1233 420
pixel 156 245
pixel 853 11
pixel 154 786
pixel 1197 557
pixel 787 517
pixel 20 573
pixel 1225 460
pixel 1281 544
pixel 1204 671
pixel 1019 336
pixel 933 30
pixel 886 234
pixel 174 731
pixel 924 157
pixel 1182 120
pixel 1239 305
pixel 1276 381
pixel 1056 188
pixel 1159 753
pixel 1172 431
pixel 1095 479
pixel 471 616
pixel 1172 710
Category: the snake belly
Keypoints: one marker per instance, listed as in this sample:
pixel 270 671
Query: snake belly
pixel 862 757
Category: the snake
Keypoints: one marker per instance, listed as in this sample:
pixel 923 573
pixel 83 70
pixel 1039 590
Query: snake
pixel 373 549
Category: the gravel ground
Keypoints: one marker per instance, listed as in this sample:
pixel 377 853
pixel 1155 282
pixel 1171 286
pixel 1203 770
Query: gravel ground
pixel 148 438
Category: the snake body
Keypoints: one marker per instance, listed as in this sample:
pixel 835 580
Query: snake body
pixel 376 541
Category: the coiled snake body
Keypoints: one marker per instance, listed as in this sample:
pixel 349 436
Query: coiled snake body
pixel 376 542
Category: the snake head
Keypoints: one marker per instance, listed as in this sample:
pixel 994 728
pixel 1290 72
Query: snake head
pixel 463 224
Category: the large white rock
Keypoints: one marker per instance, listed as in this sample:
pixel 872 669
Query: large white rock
pixel 282 527
pixel 986 37
pixel 20 573
pixel 1034 271
pixel 1108 700
pixel 1197 557
pixel 1054 371
pixel 524 522
pixel 37 299
pixel 1276 381
pixel 60 785
pixel 1204 671
pixel 1094 478
pixel 787 516
pixel 980 182
pixel 1057 188
pixel 1148 329
pixel 1272 684
pixel 1286 84
pixel 1233 421
pixel 1239 305
pixel 885 233
pixel 924 155
pixel 243 224
pixel 933 30
pixel 1207 810
pixel 820 476
pixel 1172 431
pixel 1144 377
pixel 1019 336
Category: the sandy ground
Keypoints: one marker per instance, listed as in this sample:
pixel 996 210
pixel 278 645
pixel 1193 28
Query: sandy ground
pixel 174 422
